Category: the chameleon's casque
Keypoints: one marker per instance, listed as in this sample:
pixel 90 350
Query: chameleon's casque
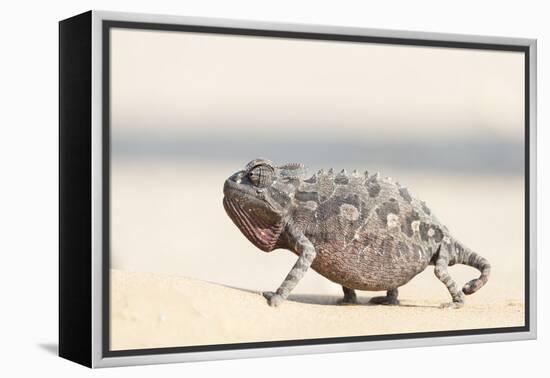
pixel 361 231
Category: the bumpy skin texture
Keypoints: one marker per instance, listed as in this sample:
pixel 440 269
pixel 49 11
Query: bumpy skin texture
pixel 361 231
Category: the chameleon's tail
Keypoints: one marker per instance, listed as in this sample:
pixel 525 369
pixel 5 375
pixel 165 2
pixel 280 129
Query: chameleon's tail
pixel 468 257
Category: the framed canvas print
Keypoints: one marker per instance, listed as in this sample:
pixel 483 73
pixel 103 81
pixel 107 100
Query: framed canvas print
pixel 236 189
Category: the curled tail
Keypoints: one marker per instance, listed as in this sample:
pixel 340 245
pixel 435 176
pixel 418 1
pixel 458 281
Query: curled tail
pixel 468 257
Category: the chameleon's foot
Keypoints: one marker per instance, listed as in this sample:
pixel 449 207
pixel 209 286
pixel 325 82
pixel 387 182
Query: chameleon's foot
pixel 273 299
pixel 452 305
pixel 385 300
pixel 390 299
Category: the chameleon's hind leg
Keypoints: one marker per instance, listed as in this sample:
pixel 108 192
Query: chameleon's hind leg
pixel 349 296
pixel 389 299
pixel 441 272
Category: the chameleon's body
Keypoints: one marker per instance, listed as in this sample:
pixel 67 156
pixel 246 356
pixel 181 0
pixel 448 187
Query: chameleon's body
pixel 361 231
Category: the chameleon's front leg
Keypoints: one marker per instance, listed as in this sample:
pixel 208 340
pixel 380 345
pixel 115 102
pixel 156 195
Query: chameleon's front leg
pixel 306 252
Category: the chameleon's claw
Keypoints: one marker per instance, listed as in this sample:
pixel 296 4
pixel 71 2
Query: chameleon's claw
pixel 268 294
pixel 273 299
pixel 452 305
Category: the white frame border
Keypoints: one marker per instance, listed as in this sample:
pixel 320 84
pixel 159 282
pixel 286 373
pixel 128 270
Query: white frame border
pixel 99 361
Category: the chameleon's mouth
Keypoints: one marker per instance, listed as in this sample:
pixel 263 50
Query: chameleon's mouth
pixel 260 233
pixel 234 185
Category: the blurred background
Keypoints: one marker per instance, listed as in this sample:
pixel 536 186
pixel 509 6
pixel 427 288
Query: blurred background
pixel 189 109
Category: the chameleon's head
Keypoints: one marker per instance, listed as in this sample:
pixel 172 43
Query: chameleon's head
pixel 257 199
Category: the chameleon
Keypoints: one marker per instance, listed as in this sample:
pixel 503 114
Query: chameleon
pixel 359 230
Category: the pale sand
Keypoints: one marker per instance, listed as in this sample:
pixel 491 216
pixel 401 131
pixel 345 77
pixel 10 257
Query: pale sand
pixel 152 310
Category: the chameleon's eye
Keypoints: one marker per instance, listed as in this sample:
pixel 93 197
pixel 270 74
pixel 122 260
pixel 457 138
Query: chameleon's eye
pixel 261 176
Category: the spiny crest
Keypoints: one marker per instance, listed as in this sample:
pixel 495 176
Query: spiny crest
pixel 375 177
pixel 404 192
pixel 356 178
pixel 342 177
pixel 291 166
pixel 292 171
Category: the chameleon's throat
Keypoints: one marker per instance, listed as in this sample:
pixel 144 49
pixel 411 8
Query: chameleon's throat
pixel 262 235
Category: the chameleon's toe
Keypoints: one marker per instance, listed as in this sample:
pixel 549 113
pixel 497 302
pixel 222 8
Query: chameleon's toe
pixel 273 299
pixel 452 305
pixel 268 294
pixel 385 300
